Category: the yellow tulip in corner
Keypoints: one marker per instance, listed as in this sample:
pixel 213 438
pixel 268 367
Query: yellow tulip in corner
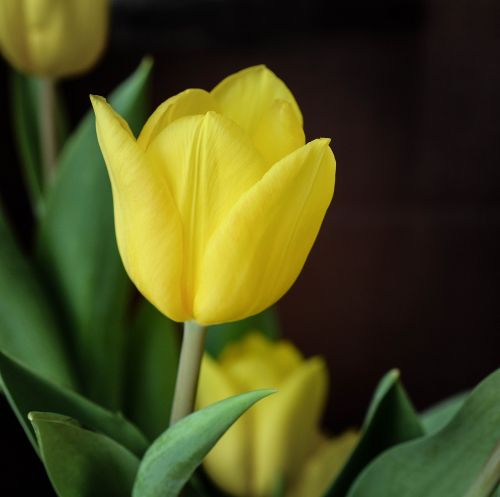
pixel 53 38
pixel 217 203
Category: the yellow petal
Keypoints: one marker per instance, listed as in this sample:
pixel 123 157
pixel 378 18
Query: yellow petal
pixel 320 470
pixel 53 38
pixel 188 103
pixel 253 372
pixel 261 246
pixel 208 163
pixel 257 362
pixel 286 425
pixel 279 132
pixel 149 233
pixel 227 463
pixel 247 95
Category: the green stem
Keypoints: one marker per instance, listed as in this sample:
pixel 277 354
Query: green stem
pixel 489 478
pixel 47 127
pixel 193 345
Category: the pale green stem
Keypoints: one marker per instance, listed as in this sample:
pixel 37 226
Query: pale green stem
pixel 47 128
pixel 193 345
pixel 489 478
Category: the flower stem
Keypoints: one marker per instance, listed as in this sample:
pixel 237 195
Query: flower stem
pixel 193 345
pixel 489 478
pixel 47 128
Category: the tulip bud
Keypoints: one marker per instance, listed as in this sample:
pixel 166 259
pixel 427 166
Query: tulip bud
pixel 279 439
pixel 53 38
pixel 219 200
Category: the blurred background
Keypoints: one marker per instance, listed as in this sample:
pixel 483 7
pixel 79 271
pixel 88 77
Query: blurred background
pixel 405 271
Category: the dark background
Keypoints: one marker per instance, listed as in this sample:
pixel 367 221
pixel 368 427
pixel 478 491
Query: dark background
pixel 405 271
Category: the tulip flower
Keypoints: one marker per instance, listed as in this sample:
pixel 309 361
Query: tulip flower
pixel 53 38
pixel 277 441
pixel 219 200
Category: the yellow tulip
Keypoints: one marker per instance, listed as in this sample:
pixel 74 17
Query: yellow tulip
pixel 53 38
pixel 219 200
pixel 278 440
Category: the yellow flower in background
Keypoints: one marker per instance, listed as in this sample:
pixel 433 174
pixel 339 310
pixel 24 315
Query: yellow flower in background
pixel 219 200
pixel 53 38
pixel 278 440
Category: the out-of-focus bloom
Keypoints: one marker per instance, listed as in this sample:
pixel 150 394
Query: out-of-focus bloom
pixel 219 200
pixel 53 38
pixel 278 440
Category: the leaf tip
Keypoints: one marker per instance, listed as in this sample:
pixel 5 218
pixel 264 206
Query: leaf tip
pixel 395 373
pixel 147 62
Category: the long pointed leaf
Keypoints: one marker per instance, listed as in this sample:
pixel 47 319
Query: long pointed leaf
pixel 77 247
pixel 81 463
pixel 172 458
pixel 29 330
pixel 391 419
pixel 28 392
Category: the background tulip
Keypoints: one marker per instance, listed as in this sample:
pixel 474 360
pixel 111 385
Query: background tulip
pixel 53 38
pixel 280 437
pixel 219 200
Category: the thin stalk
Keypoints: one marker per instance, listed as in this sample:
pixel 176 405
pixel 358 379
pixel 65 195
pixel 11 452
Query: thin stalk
pixel 193 345
pixel 489 478
pixel 47 127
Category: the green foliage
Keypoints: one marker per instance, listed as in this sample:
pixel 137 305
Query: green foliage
pixel 391 419
pixel 29 329
pixel 77 248
pixel 220 335
pixel 81 463
pixel 25 91
pixel 28 392
pixel 173 457
pixel 151 370
pixel 444 464
pixel 439 415
pixel 25 119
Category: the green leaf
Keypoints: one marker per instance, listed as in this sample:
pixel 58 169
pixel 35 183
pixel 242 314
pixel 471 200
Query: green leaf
pixel 81 463
pixel 28 392
pixel 438 416
pixel 152 370
pixel 172 458
pixel 444 464
pixel 220 335
pixel 24 91
pixel 25 96
pixel 77 247
pixel 29 330
pixel 391 419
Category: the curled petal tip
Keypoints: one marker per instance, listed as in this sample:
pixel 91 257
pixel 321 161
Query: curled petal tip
pixel 324 141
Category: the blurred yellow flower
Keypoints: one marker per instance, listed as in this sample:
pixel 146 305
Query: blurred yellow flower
pixel 278 440
pixel 53 38
pixel 219 200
